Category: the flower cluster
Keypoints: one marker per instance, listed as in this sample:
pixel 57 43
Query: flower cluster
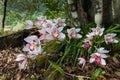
pixel 98 57
pixel 48 30
pixel 52 29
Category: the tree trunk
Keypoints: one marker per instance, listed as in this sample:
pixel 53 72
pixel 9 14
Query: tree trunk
pixel 4 13
pixel 87 9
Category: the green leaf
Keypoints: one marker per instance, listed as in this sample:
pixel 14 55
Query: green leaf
pixel 97 73
pixel 58 68
pixel 67 50
pixel 76 57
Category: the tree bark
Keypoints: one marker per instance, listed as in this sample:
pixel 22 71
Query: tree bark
pixel 87 9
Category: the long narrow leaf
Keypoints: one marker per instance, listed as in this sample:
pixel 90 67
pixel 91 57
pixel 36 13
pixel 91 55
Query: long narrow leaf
pixel 67 50
pixel 58 68
pixel 76 57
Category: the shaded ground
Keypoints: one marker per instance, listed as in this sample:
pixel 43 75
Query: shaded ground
pixel 9 69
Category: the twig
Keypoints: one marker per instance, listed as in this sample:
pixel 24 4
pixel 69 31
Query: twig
pixel 77 76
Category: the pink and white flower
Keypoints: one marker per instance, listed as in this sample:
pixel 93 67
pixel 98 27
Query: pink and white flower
pixel 33 45
pixel 81 62
pixel 55 33
pixel 110 38
pixel 98 31
pixel 41 20
pixel 99 56
pixel 29 24
pixel 73 33
pixel 43 34
pixel 60 22
pixel 86 43
pixel 22 61
pixel 48 25
pixel 90 36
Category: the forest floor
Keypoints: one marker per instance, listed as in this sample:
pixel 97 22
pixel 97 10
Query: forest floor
pixel 9 68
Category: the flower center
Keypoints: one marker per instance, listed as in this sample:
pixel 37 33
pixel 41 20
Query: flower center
pixel 97 32
pixel 48 26
pixel 42 21
pixel 110 39
pixel 59 23
pixel 97 59
pixel 33 44
pixel 73 33
pixel 55 33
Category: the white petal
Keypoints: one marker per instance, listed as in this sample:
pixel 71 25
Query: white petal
pixel 49 37
pixel 92 60
pixel 102 29
pixel 61 36
pixel 101 50
pixel 105 51
pixel 116 41
pixel 92 55
pixel 20 57
pixel 69 36
pixel 68 31
pixel 90 34
pixel 60 29
pixel 77 30
pixel 31 38
pixel 63 20
pixel 28 27
pixel 103 56
pixel 26 47
pixel 93 29
pixel 38 50
pixel 113 34
pixel 29 22
pixel 103 62
pixel 101 33
pixel 79 36
pixel 23 65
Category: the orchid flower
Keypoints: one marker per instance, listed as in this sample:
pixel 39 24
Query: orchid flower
pixel 99 56
pixel 55 33
pixel 33 46
pixel 87 43
pixel 60 22
pixel 22 61
pixel 29 24
pixel 43 34
pixel 109 38
pixel 48 25
pixel 41 20
pixel 73 33
pixel 98 31
pixel 90 36
pixel 81 62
